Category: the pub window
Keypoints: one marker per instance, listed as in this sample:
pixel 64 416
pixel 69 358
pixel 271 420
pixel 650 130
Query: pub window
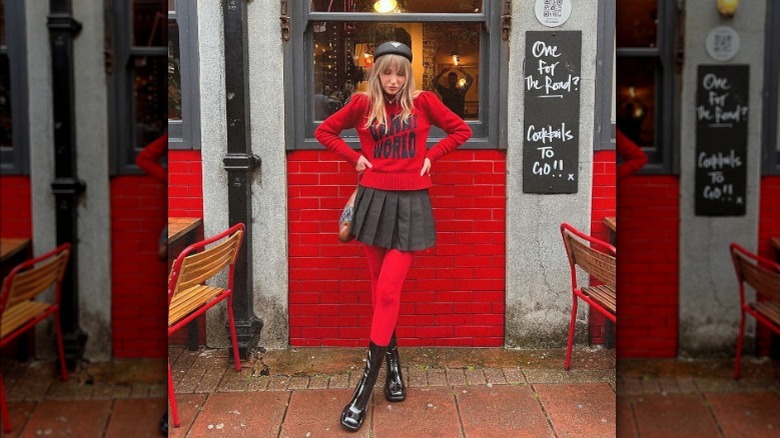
pixel 14 152
pixel 645 85
pixel 183 98
pixel 139 79
pixel 454 56
pixel 771 116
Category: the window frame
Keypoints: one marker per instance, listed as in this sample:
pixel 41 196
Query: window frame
pixel 300 124
pixel 122 136
pixel 664 158
pixel 770 138
pixel 604 139
pixel 17 160
pixel 185 133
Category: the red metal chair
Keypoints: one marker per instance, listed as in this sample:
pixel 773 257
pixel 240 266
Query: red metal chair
pixel 189 298
pixel 19 311
pixel 763 275
pixel 597 258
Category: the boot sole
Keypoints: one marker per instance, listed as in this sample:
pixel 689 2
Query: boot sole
pixel 395 399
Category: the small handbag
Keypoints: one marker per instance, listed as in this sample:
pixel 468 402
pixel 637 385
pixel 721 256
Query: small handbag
pixel 345 221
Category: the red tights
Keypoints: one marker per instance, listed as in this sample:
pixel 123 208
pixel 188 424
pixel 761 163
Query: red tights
pixel 388 269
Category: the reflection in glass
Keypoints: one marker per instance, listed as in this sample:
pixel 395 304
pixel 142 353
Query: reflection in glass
pixel 6 133
pixel 638 23
pixel 149 23
pixel 446 61
pixel 398 6
pixel 174 72
pixel 636 97
pixel 150 82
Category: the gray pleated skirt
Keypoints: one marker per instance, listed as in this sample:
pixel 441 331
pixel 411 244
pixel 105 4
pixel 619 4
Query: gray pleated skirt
pixel 394 219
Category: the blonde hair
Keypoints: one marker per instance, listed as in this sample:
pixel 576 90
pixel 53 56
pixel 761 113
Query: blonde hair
pixel 375 93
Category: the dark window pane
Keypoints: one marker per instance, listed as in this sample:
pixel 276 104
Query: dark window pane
pixel 149 23
pixel 446 61
pixel 393 6
pixel 636 97
pixel 637 23
pixel 174 72
pixel 150 105
pixel 5 104
pixel 2 22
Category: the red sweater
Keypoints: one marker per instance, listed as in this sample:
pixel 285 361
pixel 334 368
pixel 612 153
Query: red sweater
pixel 397 151
pixel 149 158
pixel 632 155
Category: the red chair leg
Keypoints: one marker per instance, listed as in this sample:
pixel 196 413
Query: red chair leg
pixel 739 343
pixel 233 337
pixel 58 331
pixel 172 398
pixel 4 408
pixel 573 321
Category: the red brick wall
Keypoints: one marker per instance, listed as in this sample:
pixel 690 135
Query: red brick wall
pixel 185 184
pixel 16 202
pixel 138 278
pixel 603 199
pixel 647 216
pixel 768 227
pixel 454 294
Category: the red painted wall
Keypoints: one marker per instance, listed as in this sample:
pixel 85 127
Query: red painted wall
pixel 603 205
pixel 454 294
pixel 138 278
pixel 648 216
pixel 768 227
pixel 16 202
pixel 185 184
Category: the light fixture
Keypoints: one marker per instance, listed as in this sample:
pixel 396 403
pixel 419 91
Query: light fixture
pixel 455 59
pixel 727 8
pixel 385 6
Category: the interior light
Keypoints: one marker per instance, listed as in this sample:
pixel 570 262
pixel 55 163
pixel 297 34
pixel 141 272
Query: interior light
pixel 385 6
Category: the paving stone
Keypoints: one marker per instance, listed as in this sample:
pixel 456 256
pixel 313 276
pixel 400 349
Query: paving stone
pixel 230 414
pixel 630 386
pixel 317 413
pixel 339 381
pixel 513 375
pixel 426 412
pixel 141 390
pixel 258 383
pixel 234 381
pixel 189 406
pixel 668 385
pixel 278 383
pixel 668 416
pixel 318 382
pixel 87 418
pixel 136 418
pixel 626 426
pixel 686 385
pixel 18 415
pixel 417 378
pixel 157 390
pixel 69 390
pixel 560 375
pixel 501 411
pixel 650 386
pixel 107 392
pixel 755 414
pixel 579 410
pixel 494 376
pixel 298 383
pixel 436 377
pixel 456 376
pixel 475 376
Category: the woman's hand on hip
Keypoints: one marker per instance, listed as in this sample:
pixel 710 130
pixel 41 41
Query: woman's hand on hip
pixel 363 164
pixel 426 169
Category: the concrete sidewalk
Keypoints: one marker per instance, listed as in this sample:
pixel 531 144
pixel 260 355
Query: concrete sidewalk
pixel 452 392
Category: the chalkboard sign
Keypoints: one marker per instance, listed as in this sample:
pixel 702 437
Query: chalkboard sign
pixel 552 111
pixel 721 139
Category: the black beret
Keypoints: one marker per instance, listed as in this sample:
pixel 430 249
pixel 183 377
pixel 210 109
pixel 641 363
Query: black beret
pixel 395 48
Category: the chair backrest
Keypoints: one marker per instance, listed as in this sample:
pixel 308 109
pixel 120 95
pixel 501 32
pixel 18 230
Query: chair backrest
pixel 760 273
pixel 191 270
pixel 33 277
pixel 594 256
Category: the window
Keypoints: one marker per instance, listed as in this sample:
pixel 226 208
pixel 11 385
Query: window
pixel 771 116
pixel 183 100
pixel 139 79
pixel 646 72
pixel 454 55
pixel 604 124
pixel 14 152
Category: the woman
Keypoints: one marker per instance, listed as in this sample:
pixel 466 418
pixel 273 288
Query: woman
pixel 393 215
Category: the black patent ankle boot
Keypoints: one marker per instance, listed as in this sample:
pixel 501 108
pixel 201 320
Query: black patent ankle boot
pixel 395 391
pixel 355 412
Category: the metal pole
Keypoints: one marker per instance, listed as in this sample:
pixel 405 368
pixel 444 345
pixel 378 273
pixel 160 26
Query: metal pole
pixel 240 164
pixel 66 187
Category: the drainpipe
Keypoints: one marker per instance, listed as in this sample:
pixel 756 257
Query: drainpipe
pixel 240 164
pixel 66 187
